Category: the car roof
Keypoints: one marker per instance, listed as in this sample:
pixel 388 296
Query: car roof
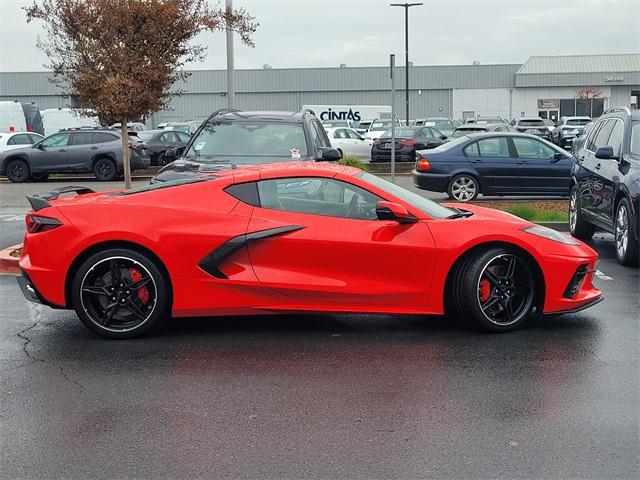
pixel 501 134
pixel 437 118
pixel 470 126
pixel 263 115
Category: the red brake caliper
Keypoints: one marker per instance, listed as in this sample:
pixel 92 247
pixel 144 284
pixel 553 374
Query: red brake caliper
pixel 484 290
pixel 143 293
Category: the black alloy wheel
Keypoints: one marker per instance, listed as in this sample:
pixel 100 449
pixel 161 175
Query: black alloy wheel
pixel 120 293
pixel 105 170
pixel 17 171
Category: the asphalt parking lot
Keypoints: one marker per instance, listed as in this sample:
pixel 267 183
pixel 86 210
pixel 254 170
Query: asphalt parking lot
pixel 321 396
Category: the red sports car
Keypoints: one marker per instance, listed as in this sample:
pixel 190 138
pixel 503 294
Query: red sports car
pixel 292 237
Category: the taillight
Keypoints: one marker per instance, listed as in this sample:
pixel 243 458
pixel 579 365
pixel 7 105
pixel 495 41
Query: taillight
pixel 29 128
pixel 377 142
pixel 38 223
pixel 407 142
pixel 12 129
pixel 423 163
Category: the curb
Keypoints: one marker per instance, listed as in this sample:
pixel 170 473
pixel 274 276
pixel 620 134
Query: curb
pixel 9 263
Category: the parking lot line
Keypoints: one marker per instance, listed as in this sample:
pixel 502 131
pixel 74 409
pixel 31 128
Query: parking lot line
pixel 602 276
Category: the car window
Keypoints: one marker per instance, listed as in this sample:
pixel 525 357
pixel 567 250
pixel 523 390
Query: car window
pixel 183 137
pixel 353 134
pixel 57 140
pixel 339 133
pixel 318 196
pixel 82 138
pixel 531 123
pixel 635 139
pixel 166 137
pixel 101 137
pixel 255 141
pixel 602 137
pixel 22 139
pixel 589 142
pixel 615 139
pixel 34 138
pixel 472 150
pixel 531 148
pixel 494 147
pixel 578 121
pixel 321 139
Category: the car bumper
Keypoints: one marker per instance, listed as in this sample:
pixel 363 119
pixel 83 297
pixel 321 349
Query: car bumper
pixel 434 182
pixel 30 292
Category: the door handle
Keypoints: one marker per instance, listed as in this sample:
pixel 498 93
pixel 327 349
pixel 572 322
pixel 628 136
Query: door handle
pixel 94 148
pixel 521 162
pixel 597 167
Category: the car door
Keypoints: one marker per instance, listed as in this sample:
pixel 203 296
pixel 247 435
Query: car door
pixel 339 141
pixel 359 145
pixel 51 154
pixel 609 173
pixel 541 168
pixel 494 162
pixel 333 250
pixel 591 181
pixel 80 150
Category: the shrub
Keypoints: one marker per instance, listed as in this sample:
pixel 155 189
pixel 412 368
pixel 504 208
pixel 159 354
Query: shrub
pixel 528 212
pixel 353 161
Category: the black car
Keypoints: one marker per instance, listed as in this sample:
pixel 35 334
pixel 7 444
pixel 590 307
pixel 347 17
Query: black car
pixel 73 150
pixel 605 183
pixel 494 164
pixel 230 138
pixel 159 141
pixel 408 140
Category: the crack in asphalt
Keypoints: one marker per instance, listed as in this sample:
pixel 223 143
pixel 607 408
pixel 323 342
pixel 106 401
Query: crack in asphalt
pixel 36 312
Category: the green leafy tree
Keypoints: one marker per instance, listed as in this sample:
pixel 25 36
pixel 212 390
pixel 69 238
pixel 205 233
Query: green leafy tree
pixel 122 57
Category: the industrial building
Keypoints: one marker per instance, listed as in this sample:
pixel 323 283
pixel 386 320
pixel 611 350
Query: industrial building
pixel 549 87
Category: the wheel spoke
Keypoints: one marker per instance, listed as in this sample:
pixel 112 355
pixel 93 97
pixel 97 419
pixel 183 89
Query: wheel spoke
pixel 508 309
pixel 511 268
pixel 109 311
pixel 140 283
pixel 95 290
pixel 491 277
pixel 133 308
pixel 491 301
pixel 115 271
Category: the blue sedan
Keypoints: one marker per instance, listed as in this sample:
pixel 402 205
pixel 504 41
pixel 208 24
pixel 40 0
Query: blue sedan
pixel 494 164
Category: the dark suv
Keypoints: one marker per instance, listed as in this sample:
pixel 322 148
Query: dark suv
pixel 230 138
pixel 79 150
pixel 605 183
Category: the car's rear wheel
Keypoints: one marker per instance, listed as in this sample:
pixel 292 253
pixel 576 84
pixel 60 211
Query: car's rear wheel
pixel 496 290
pixel 162 160
pixel 120 293
pixel 577 226
pixel 627 246
pixel 17 171
pixel 463 188
pixel 105 170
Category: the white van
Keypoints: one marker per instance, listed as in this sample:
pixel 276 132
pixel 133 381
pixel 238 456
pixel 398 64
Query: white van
pixel 55 119
pixel 12 117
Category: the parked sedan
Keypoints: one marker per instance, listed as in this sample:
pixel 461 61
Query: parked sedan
pixel 494 164
pixel 350 142
pixel 158 141
pixel 408 140
pixel 9 141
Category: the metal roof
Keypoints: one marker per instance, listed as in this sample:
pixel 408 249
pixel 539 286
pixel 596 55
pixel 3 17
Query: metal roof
pixel 581 64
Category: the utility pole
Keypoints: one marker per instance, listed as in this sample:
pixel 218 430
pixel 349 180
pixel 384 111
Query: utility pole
pixel 231 86
pixel 406 51
pixel 392 66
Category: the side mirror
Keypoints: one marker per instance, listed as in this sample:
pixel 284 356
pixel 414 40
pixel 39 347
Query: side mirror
pixel 38 145
pixel 171 153
pixel 558 156
pixel 394 211
pixel 328 154
pixel 443 137
pixel 605 153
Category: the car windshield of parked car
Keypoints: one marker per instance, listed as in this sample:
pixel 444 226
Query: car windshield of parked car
pixel 463 131
pixel 181 127
pixel 431 208
pixel 578 121
pixel 385 125
pixel 635 139
pixel 335 124
pixel 439 124
pixel 401 132
pixel 255 141
pixel 531 123
pixel 146 136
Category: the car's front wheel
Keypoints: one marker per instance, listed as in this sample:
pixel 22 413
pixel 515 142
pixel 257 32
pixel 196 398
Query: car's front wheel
pixel 120 293
pixel 496 290
pixel 627 246
pixel 463 188
pixel 17 171
pixel 577 226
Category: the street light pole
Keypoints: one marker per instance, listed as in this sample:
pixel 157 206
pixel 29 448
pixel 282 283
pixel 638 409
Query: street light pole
pixel 231 88
pixel 406 52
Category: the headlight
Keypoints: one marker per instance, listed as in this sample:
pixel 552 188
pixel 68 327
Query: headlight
pixel 550 234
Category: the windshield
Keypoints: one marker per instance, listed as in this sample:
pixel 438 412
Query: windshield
pixel 145 136
pixel 431 208
pixel 181 127
pixel 531 123
pixel 635 138
pixel 386 125
pixel 440 124
pixel 401 132
pixel 578 121
pixel 254 141
pixel 334 124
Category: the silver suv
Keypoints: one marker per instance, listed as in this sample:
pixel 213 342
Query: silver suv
pixel 569 128
pixel 81 150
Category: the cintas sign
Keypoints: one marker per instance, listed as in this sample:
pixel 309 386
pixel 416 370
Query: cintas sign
pixel 352 113
pixel 341 115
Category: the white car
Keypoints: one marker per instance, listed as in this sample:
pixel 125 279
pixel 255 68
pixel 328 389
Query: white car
pixel 378 127
pixel 350 142
pixel 12 140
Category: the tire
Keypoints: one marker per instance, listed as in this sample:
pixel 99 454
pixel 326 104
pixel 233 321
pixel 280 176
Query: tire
pixel 17 171
pixel 39 177
pixel 137 301
pixel 463 188
pixel 162 160
pixel 105 170
pixel 578 227
pixel 626 243
pixel 495 290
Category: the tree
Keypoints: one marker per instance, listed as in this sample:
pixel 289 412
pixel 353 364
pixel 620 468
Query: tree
pixel 122 57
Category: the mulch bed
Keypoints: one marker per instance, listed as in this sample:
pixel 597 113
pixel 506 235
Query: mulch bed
pixel 560 206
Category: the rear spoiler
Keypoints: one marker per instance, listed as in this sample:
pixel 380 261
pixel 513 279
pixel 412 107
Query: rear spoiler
pixel 41 200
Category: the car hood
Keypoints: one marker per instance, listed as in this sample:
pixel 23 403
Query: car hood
pixel 484 213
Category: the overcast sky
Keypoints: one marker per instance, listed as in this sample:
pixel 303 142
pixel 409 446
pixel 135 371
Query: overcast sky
pixel 326 33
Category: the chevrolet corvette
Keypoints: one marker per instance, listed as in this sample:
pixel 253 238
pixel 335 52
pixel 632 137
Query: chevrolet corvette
pixel 292 237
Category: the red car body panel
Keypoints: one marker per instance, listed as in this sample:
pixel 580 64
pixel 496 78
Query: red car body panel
pixel 332 264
